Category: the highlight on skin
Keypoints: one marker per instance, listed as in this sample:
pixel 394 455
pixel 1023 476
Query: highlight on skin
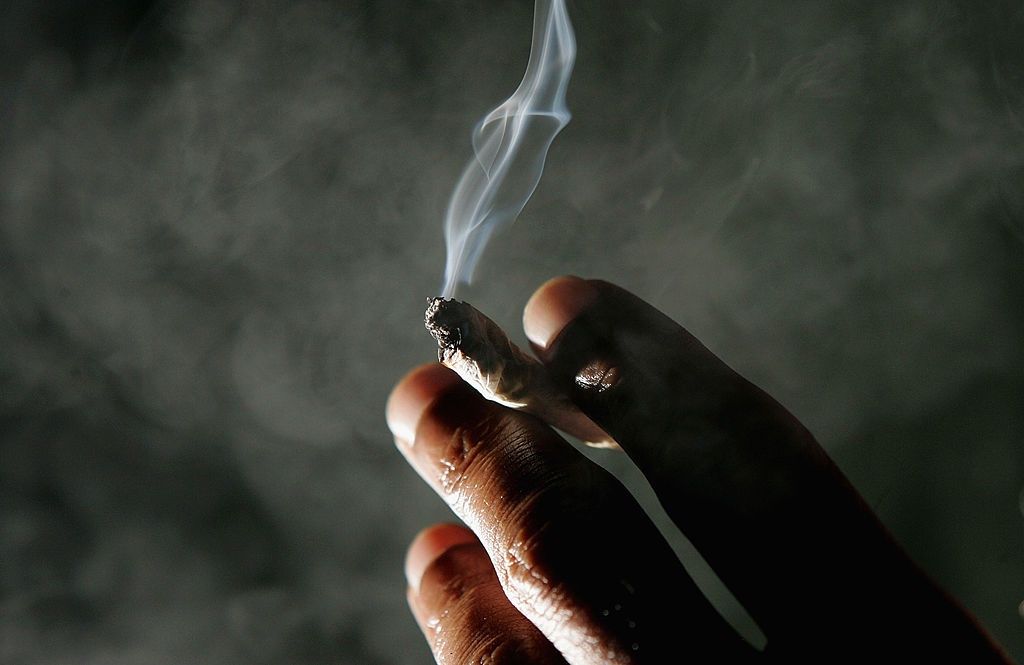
pixel 510 145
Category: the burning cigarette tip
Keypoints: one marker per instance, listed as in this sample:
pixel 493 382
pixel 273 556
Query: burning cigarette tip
pixel 445 320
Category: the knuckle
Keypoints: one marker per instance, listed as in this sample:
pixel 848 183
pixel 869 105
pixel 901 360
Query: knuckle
pixel 486 648
pixel 533 537
pixel 499 650
pixel 455 573
pixel 468 444
pixel 524 571
pixel 490 457
pixel 465 625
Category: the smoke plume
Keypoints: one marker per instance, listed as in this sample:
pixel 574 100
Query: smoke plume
pixel 510 146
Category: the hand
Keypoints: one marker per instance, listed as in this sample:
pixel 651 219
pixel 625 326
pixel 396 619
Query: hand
pixel 560 564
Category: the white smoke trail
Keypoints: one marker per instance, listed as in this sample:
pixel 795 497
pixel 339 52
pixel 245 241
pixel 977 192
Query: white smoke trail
pixel 510 145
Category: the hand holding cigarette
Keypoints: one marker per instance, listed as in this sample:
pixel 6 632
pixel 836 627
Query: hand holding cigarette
pixel 560 564
pixel 480 352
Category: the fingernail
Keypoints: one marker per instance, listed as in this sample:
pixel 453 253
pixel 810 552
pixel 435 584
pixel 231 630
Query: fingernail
pixel 429 544
pixel 553 305
pixel 412 396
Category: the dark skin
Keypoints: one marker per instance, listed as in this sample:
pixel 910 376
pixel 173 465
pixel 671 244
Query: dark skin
pixel 561 565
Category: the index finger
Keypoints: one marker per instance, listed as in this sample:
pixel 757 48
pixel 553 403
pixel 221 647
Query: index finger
pixel 746 482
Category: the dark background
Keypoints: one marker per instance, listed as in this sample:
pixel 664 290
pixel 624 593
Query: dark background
pixel 219 222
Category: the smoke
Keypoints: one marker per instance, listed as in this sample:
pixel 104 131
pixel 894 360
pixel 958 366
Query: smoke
pixel 510 146
pixel 218 225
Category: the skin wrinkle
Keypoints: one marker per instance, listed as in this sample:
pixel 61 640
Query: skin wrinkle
pixel 471 456
pixel 573 627
pixel 463 443
pixel 456 458
pixel 478 642
pixel 493 651
pixel 462 585
pixel 474 623
pixel 454 646
pixel 522 570
pixel 478 430
pixel 526 585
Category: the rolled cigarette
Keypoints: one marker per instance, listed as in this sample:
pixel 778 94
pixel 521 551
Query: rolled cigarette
pixel 479 351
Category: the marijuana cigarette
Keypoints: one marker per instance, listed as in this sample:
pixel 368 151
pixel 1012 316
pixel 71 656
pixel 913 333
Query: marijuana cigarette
pixel 480 352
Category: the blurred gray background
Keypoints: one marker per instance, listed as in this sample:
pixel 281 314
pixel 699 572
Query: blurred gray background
pixel 219 222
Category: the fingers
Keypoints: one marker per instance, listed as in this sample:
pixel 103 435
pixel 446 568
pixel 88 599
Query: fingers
pixel 460 607
pixel 571 549
pixel 741 477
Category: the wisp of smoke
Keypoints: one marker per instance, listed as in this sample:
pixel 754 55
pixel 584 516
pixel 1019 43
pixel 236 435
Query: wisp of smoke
pixel 510 145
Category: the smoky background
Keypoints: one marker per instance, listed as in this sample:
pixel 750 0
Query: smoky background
pixel 219 223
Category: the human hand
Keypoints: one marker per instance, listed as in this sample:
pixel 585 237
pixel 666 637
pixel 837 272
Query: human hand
pixel 560 564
